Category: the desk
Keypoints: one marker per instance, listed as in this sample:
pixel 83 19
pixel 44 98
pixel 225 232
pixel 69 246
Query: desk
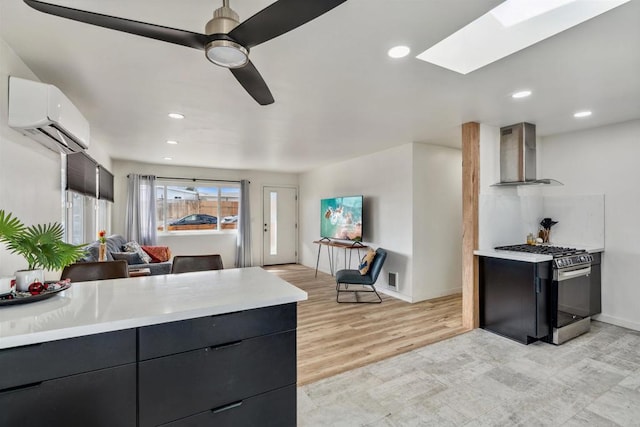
pixel 330 244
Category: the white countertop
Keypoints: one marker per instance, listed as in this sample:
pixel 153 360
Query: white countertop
pixel 529 257
pixel 102 306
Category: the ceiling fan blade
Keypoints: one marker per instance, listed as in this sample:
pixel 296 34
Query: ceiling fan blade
pixel 252 81
pixel 278 18
pixel 166 34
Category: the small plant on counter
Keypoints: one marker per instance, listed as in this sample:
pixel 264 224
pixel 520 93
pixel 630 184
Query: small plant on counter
pixel 42 245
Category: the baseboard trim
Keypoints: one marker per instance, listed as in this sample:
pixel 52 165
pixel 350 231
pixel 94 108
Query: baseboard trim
pixel 393 294
pixel 617 321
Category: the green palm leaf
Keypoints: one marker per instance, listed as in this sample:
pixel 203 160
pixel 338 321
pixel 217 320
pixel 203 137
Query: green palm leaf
pixel 41 245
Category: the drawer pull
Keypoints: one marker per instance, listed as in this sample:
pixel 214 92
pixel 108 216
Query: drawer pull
pixel 226 407
pixel 21 387
pixel 226 345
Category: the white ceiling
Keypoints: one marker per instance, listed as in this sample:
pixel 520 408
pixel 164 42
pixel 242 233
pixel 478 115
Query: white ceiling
pixel 337 94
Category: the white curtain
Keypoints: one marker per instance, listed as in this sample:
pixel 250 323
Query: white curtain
pixel 140 225
pixel 243 246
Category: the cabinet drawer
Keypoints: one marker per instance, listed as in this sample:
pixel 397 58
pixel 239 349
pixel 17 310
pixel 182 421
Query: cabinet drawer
pixel 185 335
pixel 54 359
pixel 272 409
pixel 106 397
pixel 177 386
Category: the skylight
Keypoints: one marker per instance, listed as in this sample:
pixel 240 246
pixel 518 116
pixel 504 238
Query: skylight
pixel 510 27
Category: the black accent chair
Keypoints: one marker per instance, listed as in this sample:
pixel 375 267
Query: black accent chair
pixel 188 263
pixel 101 270
pixel 353 277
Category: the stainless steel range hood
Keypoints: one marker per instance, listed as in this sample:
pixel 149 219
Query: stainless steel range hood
pixel 518 156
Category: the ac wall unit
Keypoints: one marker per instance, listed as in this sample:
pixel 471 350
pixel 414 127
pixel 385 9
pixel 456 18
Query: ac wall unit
pixel 42 112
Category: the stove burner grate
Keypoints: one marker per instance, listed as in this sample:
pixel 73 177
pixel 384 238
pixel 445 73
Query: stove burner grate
pixel 555 251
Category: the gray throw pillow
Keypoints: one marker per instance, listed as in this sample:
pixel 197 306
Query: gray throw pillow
pixel 135 247
pixel 132 258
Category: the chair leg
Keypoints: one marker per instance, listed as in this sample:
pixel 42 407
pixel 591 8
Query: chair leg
pixel 356 293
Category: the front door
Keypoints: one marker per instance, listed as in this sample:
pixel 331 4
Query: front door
pixel 280 225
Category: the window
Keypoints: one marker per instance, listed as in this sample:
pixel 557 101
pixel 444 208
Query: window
pixel 201 207
pixel 89 197
pixel 80 218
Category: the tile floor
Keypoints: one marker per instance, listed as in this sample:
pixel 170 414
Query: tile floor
pixel 482 379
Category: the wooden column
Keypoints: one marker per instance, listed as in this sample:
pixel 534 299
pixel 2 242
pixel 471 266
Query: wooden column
pixel 470 191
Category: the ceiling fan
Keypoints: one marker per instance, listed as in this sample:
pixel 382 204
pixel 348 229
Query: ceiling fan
pixel 226 41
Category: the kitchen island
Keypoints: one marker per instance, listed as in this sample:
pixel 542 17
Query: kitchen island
pixel 215 347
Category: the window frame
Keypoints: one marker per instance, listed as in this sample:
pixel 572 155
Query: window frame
pixel 219 185
pixel 82 180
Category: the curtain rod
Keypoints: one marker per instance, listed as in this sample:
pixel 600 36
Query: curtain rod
pixel 196 179
pixel 200 179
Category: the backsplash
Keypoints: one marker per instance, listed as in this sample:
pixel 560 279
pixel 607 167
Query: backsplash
pixel 580 219
pixel 507 219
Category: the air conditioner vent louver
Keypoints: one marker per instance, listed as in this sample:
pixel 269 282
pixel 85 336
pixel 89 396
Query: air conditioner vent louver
pixel 42 112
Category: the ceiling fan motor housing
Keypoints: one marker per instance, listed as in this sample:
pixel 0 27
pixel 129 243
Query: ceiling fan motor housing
pixel 223 51
pixel 224 20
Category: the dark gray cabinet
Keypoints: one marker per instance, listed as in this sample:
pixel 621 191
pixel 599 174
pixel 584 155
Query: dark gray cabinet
pixel 271 409
pixel 217 367
pixel 595 295
pixel 236 369
pixel 87 381
pixel 514 298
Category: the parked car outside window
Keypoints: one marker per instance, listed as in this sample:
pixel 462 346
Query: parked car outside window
pixel 230 219
pixel 194 221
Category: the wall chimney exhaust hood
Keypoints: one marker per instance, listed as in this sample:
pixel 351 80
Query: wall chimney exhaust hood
pixel 518 156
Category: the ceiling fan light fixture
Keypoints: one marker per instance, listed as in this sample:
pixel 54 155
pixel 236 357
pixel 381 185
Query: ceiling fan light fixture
pixel 227 53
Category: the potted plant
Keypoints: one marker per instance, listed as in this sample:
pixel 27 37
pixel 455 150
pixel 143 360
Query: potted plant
pixel 42 246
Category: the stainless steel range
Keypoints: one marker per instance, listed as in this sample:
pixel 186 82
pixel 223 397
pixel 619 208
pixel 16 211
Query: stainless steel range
pixel 569 294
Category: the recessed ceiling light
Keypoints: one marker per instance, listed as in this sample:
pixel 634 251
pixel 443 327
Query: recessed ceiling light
pixel 521 94
pixel 176 115
pixel 172 142
pixel 496 35
pixel 398 52
pixel 580 114
pixel 168 158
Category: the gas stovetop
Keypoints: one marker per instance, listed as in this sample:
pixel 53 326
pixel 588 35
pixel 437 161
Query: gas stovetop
pixel 562 257
pixel 556 251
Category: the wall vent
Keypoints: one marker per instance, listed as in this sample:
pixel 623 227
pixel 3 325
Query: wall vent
pixel 393 280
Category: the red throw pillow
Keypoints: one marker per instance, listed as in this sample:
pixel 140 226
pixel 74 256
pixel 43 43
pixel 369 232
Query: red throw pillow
pixel 158 253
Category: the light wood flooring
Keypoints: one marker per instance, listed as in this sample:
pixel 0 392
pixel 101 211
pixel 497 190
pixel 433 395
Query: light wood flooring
pixel 334 338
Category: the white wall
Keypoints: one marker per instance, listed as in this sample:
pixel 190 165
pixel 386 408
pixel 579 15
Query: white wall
pixel 437 221
pixel 508 214
pixel 384 179
pixel 222 242
pixel 412 208
pixel 604 160
pixel 29 173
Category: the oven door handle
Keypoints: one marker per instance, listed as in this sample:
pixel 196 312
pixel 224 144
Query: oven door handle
pixel 566 275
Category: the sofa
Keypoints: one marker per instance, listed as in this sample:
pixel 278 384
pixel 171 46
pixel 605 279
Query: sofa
pixel 116 250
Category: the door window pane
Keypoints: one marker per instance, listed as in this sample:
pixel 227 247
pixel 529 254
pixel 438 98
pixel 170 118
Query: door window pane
pixel 273 223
